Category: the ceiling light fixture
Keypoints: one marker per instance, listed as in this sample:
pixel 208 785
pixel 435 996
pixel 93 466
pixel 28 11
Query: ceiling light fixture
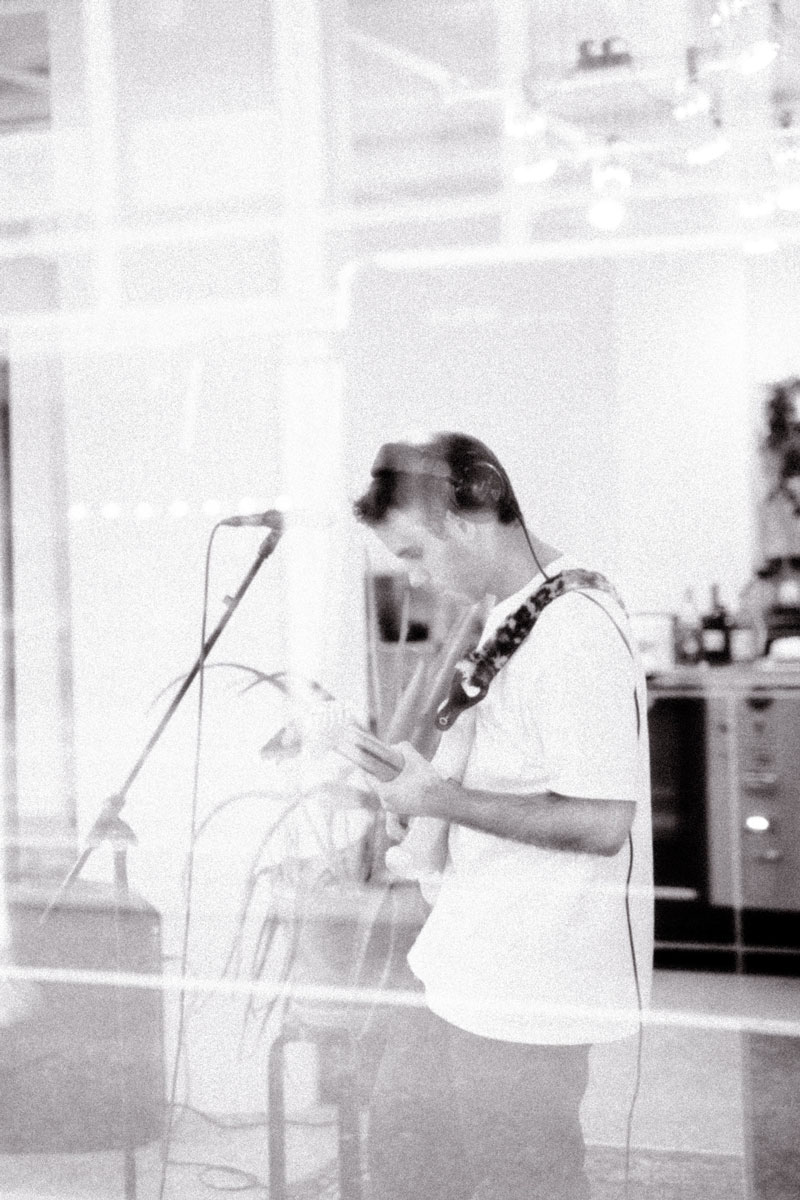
pixel 594 55
pixel 691 99
pixel 611 181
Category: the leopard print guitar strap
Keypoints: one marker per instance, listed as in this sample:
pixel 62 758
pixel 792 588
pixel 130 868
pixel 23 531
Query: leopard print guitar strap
pixel 476 670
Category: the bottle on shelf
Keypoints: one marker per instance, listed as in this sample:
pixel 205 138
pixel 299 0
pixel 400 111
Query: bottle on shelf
pixel 688 648
pixel 745 635
pixel 715 634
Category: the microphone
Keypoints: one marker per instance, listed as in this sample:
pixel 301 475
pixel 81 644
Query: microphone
pixel 272 519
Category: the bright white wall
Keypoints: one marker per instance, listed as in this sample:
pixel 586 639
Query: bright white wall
pixel 616 390
pixel 518 354
pixel 682 427
pixel 773 319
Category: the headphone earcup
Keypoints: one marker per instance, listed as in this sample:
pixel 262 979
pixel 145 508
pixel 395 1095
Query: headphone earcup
pixel 480 486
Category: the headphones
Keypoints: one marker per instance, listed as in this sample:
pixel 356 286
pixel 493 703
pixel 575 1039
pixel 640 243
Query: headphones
pixel 477 486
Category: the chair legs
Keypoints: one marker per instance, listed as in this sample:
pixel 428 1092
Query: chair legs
pixel 347 1111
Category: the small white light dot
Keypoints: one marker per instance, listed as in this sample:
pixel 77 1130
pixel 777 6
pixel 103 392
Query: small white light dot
pixel 144 511
pixel 707 152
pixel 758 824
pixel 211 507
pixel 248 504
pixel 536 172
pixel 110 512
pixel 178 508
pixel 77 512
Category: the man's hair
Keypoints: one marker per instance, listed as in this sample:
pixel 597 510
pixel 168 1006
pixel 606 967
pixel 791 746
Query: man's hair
pixel 449 472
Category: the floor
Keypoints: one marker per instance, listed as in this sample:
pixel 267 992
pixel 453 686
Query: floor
pixel 715 1118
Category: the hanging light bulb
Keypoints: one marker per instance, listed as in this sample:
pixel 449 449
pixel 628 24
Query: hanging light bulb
pixel 611 181
pixel 607 213
pixel 691 100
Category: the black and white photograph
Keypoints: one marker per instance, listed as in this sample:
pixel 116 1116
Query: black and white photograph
pixel 400 581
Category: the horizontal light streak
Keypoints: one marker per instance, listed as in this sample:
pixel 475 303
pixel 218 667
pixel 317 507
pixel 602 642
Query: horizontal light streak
pixel 131 327
pixel 576 248
pixel 387 998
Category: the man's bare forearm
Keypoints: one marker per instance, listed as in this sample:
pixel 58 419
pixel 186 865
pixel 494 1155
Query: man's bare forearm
pixel 543 819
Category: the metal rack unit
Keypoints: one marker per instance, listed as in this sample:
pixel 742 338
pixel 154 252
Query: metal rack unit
pixel 740 799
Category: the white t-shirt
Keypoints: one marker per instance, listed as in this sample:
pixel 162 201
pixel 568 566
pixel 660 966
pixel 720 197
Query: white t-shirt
pixel 532 945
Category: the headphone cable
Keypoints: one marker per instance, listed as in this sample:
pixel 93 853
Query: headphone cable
pixel 640 1033
pixel 521 520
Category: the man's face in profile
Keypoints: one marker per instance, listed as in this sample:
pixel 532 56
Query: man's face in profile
pixel 435 557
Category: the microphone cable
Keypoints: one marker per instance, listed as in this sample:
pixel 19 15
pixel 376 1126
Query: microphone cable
pixel 189 879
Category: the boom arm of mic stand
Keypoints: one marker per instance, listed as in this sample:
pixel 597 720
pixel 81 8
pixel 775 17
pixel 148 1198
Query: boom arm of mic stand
pixel 108 826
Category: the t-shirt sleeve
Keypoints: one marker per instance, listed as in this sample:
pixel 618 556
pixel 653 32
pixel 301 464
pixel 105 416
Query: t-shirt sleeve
pixel 583 682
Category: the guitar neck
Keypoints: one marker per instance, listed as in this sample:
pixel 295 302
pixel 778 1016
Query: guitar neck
pixel 370 753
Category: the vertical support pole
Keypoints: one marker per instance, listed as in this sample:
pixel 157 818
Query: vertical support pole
pixel 101 99
pixel 513 43
pixel 10 824
pixel 311 382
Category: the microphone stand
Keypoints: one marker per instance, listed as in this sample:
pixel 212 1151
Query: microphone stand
pixel 109 827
